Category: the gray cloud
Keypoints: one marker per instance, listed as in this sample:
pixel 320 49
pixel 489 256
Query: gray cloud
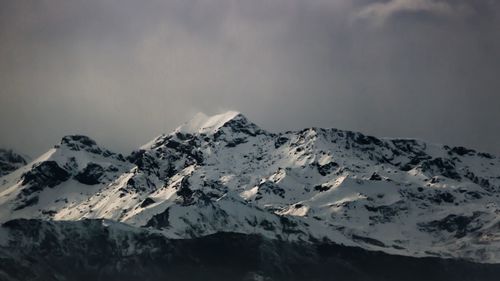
pixel 126 71
pixel 379 12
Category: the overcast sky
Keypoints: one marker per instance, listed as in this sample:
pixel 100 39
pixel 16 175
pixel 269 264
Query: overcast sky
pixel 124 71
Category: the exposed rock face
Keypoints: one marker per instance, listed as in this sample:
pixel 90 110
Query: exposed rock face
pixel 10 161
pixel 43 175
pixel 90 174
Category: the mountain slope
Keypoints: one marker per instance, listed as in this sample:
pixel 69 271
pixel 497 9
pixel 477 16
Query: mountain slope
pixel 225 174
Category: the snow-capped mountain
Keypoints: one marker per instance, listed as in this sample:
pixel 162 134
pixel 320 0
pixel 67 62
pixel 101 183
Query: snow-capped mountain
pixel 225 174
pixel 10 161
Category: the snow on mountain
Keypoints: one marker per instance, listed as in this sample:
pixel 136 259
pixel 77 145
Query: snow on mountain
pixel 68 173
pixel 203 124
pixel 10 161
pixel 225 174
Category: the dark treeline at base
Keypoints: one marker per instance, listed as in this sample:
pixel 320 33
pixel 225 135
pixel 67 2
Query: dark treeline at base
pixel 88 250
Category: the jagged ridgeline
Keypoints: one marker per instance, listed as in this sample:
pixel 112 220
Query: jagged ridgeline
pixel 224 174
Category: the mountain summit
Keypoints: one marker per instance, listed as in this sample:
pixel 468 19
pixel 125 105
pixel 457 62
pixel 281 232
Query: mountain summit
pixel 223 174
pixel 203 124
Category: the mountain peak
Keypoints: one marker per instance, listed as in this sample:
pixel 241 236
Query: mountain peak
pixel 78 139
pixel 215 125
pixel 83 143
pixel 204 124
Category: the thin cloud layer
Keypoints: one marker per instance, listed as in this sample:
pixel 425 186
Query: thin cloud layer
pixel 379 12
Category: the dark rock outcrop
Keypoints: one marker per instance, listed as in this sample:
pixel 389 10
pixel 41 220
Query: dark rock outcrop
pixel 90 174
pixel 10 161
